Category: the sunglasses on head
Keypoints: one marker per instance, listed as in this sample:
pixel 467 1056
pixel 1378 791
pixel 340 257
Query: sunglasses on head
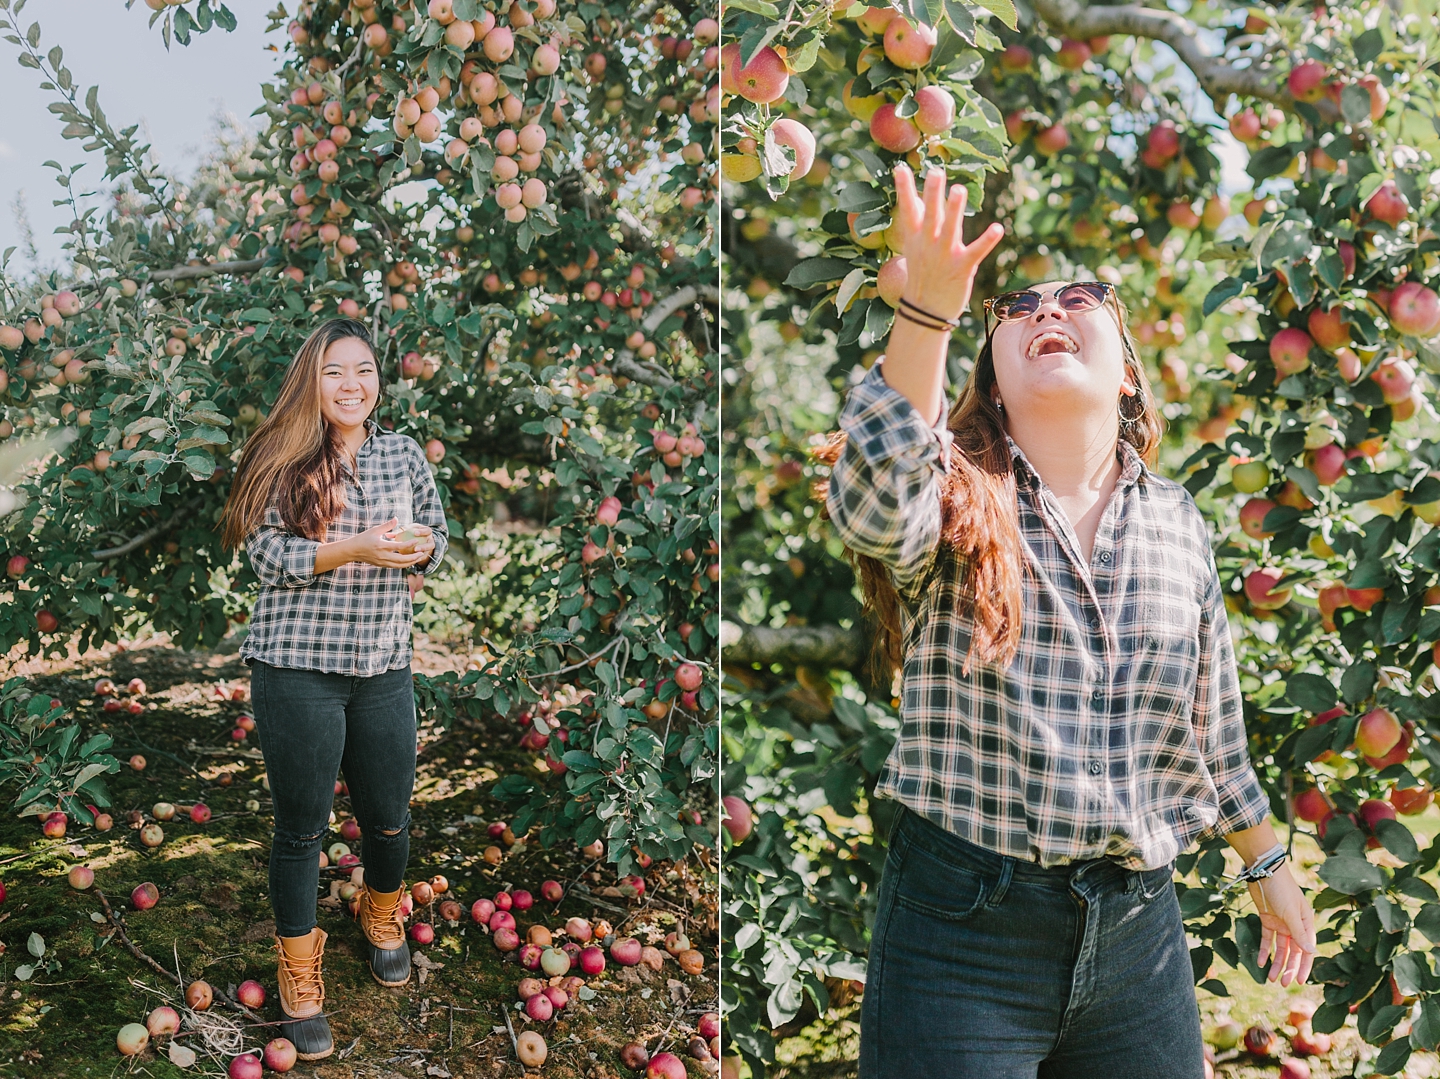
pixel 1077 296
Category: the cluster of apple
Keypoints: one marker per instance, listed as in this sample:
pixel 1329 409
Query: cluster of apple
pixel 278 1055
pixel 1260 1041
pixel 111 700
pixel 1382 740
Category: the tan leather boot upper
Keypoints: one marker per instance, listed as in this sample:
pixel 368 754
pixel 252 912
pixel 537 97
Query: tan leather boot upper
pixel 380 918
pixel 302 990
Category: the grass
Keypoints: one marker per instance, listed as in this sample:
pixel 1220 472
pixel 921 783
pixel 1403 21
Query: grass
pixel 213 918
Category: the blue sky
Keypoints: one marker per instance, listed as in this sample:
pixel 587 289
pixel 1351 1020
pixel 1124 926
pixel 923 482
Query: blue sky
pixel 175 96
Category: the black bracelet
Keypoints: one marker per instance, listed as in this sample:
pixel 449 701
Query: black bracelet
pixel 951 322
pixel 908 317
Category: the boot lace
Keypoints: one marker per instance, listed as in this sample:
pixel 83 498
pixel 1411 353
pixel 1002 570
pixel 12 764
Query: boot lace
pixel 305 982
pixel 382 923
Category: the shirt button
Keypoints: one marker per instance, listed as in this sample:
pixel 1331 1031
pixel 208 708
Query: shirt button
pixel 1104 556
pixel 1094 768
pixel 1097 696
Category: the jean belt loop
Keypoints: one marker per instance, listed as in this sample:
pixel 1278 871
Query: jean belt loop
pixel 1007 870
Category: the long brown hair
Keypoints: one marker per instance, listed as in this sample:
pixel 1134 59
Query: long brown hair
pixel 980 517
pixel 295 457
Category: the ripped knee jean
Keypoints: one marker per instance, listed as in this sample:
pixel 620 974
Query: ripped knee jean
pixel 314 726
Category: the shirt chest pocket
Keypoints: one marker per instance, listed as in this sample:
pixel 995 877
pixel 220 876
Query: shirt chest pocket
pixel 1165 638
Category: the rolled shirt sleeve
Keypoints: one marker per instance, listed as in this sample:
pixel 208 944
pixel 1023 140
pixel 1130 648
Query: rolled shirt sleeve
pixel 1219 722
pixel 884 496
pixel 427 508
pixel 280 558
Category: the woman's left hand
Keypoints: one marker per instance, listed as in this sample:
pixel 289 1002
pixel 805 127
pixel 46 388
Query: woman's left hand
pixel 1287 927
pixel 425 545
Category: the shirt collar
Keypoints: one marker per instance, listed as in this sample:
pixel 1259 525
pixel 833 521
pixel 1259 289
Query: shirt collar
pixel 1132 465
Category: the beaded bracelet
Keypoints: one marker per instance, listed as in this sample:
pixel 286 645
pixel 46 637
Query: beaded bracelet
pixel 1263 866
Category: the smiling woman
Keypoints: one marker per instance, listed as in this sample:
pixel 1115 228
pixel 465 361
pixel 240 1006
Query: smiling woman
pixel 323 502
pixel 1069 703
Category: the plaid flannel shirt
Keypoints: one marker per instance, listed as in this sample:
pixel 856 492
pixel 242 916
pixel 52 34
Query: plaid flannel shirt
pixel 355 619
pixel 1117 730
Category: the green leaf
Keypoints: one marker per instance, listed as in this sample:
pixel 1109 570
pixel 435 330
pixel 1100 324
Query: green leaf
pixel 746 935
pixel 1368 46
pixel 1004 10
pixel 1358 681
pixel 1227 289
pixel 35 945
pixel 807 273
pixel 1397 840
pixel 1393 1057
pixel 1312 692
pixel 1350 874
pixel 1425 1030
pixel 758 7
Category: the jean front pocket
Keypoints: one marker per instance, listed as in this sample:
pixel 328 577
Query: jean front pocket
pixel 1153 882
pixel 939 888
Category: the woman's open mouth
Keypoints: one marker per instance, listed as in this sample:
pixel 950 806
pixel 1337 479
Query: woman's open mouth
pixel 1052 341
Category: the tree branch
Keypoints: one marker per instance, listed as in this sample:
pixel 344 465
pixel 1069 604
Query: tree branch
pixel 823 647
pixel 144 537
pixel 1218 77
pixel 180 273
pixel 625 362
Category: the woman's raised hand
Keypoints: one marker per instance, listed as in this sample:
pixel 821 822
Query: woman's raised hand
pixel 940 266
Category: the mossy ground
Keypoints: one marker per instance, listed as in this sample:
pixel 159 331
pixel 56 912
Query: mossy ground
pixel 214 916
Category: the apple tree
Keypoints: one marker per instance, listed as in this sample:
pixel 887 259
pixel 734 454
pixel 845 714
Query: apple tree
pixel 519 197
pixel 1291 330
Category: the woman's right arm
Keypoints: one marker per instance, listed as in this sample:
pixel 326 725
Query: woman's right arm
pixel 885 487
pixel 884 498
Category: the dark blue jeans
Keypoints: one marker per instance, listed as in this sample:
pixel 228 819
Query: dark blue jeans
pixel 988 967
pixel 312 725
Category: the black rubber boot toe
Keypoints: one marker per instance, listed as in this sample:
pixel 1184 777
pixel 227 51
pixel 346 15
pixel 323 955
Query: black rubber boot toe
pixel 311 1037
pixel 389 966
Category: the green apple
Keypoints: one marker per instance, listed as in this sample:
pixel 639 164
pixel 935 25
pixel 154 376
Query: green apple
pixel 1251 476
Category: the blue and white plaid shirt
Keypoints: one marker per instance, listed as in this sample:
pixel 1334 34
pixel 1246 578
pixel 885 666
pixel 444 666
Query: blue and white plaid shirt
pixel 1117 730
pixel 355 619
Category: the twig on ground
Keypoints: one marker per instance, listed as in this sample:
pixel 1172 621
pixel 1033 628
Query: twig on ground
pixel 514 1042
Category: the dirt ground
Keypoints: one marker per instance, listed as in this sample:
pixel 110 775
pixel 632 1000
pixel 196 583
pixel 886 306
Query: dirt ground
pixel 213 920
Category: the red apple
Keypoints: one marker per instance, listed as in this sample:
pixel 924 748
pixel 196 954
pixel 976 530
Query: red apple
pixel 251 994
pixel 1260 590
pixel 1252 518
pixel 1388 204
pixel 1072 54
pixel 552 891
pixel 1377 733
pixel 1305 81
pixel 908 45
pixel 894 133
pixel 1409 801
pixel 1016 58
pixel 1163 140
pixel 1262 1041
pixel 1307 1043
pixel 199 813
pixel 1395 379
pixel 1329 328
pixel 1053 139
pixel 1415 309
pixel 1310 805
pixel 280 1055
pixel 797 136
pixel 739 821
pixel 1290 350
pixel 762 80
pixel 626 952
pixel 1328 463
pixel 246 1066
pixel 665 1066
pixel 935 110
pixel 145 896
pixel 592 960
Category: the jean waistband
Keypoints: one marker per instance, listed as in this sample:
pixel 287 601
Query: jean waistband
pixel 918 831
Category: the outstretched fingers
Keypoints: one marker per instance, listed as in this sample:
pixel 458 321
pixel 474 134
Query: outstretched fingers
pixel 909 210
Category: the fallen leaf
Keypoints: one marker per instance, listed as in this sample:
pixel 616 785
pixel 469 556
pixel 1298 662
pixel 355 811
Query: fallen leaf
pixel 180 1056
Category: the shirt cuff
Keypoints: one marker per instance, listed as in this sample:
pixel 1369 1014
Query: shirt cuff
pixel 885 426
pixel 1243 804
pixel 297 560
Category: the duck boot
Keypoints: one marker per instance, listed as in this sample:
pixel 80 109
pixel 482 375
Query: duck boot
pixel 302 995
pixel 384 929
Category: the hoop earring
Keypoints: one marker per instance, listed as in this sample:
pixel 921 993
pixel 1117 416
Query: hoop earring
pixel 1139 411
